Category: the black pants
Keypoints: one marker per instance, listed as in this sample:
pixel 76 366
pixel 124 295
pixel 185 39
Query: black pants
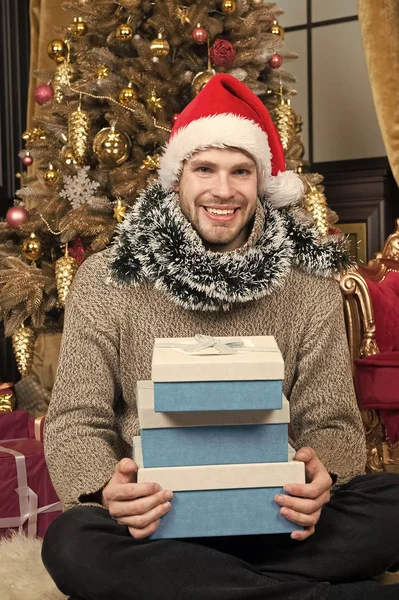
pixel 91 557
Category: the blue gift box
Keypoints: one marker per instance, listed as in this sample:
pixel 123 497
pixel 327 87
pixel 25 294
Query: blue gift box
pixel 206 438
pixel 217 395
pixel 234 499
pixel 220 445
pixel 249 379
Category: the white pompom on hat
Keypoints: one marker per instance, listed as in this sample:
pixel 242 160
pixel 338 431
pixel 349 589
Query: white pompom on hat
pixel 227 114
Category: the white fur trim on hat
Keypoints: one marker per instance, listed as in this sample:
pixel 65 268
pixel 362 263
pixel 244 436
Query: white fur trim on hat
pixel 229 130
pixel 284 189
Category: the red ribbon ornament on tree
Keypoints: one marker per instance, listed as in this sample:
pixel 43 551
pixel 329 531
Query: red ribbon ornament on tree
pixel 222 53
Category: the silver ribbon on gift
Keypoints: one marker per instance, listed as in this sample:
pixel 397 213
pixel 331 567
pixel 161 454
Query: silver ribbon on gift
pixel 204 342
pixel 28 500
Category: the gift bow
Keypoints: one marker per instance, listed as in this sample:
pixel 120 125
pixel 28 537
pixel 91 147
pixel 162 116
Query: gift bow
pixel 233 346
pixel 28 501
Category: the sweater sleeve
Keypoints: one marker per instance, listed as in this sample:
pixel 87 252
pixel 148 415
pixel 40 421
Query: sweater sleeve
pixel 324 412
pixel 81 444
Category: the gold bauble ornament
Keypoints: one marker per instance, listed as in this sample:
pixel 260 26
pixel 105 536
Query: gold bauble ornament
pixel 65 270
pixel 160 47
pixel 119 211
pixel 23 343
pixel 102 72
pixel 51 176
pixel 57 51
pixel 229 7
pixel 124 32
pixel 111 147
pixel 128 94
pixel 200 80
pixel 79 124
pixel 276 29
pixel 32 247
pixel 315 203
pixel 257 3
pixel 79 27
pixel 284 119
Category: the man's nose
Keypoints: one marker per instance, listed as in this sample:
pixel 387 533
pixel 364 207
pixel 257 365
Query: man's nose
pixel 223 187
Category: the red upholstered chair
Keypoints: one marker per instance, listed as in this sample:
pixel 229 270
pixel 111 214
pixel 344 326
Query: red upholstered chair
pixel 371 304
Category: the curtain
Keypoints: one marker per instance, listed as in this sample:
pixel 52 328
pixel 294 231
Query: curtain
pixel 379 23
pixel 45 15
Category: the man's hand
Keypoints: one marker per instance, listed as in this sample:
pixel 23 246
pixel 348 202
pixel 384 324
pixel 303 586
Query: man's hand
pixel 303 505
pixel 140 506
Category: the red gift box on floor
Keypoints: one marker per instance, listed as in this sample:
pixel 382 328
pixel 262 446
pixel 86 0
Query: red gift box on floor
pixel 14 425
pixel 28 501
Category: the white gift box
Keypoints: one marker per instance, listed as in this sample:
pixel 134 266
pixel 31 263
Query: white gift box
pixel 171 364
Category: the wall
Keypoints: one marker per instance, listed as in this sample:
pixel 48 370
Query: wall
pixel 334 94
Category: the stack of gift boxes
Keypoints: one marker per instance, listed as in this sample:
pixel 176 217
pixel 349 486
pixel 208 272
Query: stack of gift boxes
pixel 214 430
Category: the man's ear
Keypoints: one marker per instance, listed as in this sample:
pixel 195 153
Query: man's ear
pixel 176 187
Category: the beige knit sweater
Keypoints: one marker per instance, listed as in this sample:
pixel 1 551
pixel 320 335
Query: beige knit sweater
pixel 107 346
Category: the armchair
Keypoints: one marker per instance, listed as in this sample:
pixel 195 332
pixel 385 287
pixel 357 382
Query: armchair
pixel 371 307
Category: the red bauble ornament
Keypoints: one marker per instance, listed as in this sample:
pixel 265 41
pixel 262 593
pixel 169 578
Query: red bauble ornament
pixel 27 160
pixel 222 53
pixel 175 117
pixel 16 215
pixel 275 61
pixel 43 93
pixel 199 34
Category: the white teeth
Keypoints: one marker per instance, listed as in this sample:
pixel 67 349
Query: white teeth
pixel 215 211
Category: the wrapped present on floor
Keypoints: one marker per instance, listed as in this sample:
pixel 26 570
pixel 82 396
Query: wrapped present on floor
pixel 14 425
pixel 206 373
pixel 223 500
pixel 210 437
pixel 28 501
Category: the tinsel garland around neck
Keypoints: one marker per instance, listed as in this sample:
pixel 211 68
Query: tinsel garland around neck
pixel 157 244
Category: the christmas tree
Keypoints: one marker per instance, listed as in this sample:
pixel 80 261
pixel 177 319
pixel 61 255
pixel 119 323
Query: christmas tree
pixel 123 71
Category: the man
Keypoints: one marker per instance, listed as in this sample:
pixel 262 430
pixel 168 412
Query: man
pixel 213 248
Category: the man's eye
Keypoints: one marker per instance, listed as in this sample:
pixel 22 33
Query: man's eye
pixel 204 169
pixel 242 172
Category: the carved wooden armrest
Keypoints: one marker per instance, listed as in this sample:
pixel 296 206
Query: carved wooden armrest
pixel 353 284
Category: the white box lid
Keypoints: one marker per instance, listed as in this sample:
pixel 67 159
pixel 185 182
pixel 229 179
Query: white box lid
pixel 223 477
pixel 149 419
pixel 169 365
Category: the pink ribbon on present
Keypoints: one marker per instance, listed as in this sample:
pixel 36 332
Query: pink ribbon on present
pixel 38 422
pixel 28 501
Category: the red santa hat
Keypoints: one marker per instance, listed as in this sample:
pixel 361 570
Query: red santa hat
pixel 227 114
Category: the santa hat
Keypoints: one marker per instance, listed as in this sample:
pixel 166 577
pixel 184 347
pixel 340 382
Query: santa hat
pixel 226 113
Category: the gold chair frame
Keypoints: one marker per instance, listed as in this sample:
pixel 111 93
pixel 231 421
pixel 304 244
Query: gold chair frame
pixel 360 327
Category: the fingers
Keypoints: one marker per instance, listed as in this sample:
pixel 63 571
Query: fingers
pixel 142 522
pixel 126 471
pixel 300 536
pixel 131 491
pixel 300 518
pixel 306 506
pixel 140 534
pixel 139 506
